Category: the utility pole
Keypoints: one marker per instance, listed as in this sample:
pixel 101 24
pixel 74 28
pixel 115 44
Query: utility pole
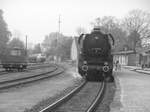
pixel 57 37
pixel 26 44
pixel 59 21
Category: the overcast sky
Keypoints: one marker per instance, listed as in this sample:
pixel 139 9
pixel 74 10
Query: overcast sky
pixel 36 18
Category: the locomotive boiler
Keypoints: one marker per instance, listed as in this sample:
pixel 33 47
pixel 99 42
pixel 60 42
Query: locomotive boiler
pixel 95 61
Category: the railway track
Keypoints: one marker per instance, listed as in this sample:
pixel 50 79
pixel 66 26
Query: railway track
pixel 28 78
pixel 30 67
pixel 81 99
pixel 25 74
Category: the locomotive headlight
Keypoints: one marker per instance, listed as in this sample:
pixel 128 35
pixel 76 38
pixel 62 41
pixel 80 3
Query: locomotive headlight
pixel 84 66
pixel 85 62
pixel 21 66
pixel 105 63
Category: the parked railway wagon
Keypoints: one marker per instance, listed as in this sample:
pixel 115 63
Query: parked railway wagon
pixel 14 58
pixel 36 58
pixel 95 61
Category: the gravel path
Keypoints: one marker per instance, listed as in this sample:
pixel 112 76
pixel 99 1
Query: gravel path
pixel 24 98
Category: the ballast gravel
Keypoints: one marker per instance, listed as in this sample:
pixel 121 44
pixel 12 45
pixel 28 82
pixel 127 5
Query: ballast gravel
pixel 27 98
pixel 108 98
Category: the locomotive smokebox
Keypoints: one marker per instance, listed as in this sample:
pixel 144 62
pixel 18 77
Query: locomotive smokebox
pixel 105 68
pixel 85 68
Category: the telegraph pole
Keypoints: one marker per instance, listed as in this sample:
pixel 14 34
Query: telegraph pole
pixel 57 36
pixel 26 44
pixel 59 21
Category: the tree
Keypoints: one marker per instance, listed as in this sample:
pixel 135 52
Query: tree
pixel 50 41
pixel 96 22
pixel 64 47
pixel 109 24
pixel 134 40
pixel 137 23
pixel 56 44
pixel 37 49
pixel 4 34
pixel 16 42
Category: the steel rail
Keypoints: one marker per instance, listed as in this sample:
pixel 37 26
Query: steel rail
pixel 40 66
pixel 3 72
pixel 23 77
pixel 26 77
pixel 41 76
pixel 63 99
pixel 98 98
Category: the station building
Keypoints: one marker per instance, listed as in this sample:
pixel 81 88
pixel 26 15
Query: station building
pixel 131 58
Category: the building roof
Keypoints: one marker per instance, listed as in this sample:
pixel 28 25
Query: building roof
pixel 143 50
pixel 123 52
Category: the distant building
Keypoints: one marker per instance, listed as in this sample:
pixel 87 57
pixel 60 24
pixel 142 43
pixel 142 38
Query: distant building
pixel 131 58
pixel 74 50
pixel 144 56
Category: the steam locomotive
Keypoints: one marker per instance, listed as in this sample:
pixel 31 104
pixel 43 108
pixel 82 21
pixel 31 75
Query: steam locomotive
pixel 95 61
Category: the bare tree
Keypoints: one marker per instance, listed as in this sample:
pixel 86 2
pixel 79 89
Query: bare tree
pixel 57 46
pixel 80 30
pixel 4 34
pixel 16 42
pixel 109 24
pixel 51 40
pixel 97 22
pixel 138 21
pixel 37 49
pixel 134 40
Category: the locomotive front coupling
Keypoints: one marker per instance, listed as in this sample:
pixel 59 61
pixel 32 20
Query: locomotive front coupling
pixel 105 67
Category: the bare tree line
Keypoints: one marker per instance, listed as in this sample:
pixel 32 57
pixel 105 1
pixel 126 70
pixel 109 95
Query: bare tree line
pixel 129 31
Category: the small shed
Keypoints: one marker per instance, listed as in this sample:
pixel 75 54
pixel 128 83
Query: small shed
pixel 128 58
